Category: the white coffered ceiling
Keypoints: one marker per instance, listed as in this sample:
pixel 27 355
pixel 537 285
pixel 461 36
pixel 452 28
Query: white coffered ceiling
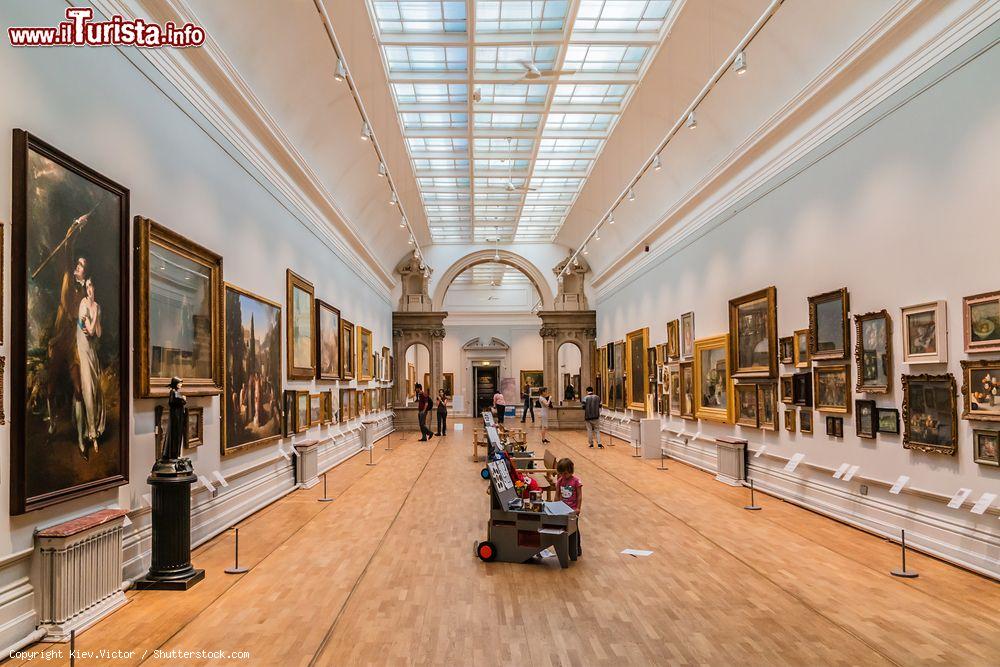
pixel 505 105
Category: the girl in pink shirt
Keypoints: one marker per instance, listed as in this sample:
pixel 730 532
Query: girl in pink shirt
pixel 570 492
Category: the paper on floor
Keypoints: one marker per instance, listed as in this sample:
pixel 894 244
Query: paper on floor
pixel 637 552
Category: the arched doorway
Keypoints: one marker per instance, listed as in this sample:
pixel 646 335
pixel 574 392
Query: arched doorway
pixel 570 363
pixel 417 360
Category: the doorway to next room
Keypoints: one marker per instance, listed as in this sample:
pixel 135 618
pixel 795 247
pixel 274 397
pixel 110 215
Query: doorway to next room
pixel 485 379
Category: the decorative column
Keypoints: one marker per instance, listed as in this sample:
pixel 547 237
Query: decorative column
pixel 409 328
pixel 558 327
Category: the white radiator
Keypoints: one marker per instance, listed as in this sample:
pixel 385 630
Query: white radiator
pixel 80 572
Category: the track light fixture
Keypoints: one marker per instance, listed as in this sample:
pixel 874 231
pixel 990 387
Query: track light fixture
pixel 393 200
pixel 631 194
pixel 366 131
pixel 381 169
pixel 576 262
pixel 585 250
pixel 740 64
pixel 411 240
pixel 341 72
pixel 402 223
pixel 611 218
pixel 692 121
pixel 657 165
pixel 597 234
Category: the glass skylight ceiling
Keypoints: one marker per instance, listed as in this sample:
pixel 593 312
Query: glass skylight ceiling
pixel 495 152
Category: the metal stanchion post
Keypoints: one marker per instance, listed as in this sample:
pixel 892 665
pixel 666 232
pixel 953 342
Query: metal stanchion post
pixel 752 505
pixel 906 574
pixel 371 455
pixel 72 648
pixel 325 498
pixel 663 459
pixel 388 441
pixel 236 569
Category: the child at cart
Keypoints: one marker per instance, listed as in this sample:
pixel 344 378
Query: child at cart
pixel 570 489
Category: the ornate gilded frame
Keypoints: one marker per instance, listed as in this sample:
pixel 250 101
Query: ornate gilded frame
pixel 149 233
pixel 673 339
pixel 831 369
pixel 845 306
pixel 320 306
pixel 763 389
pixel 770 295
pixel 976 433
pixel 294 281
pixel 968 365
pixel 687 351
pixel 940 355
pixel 630 364
pixel 967 303
pixel 908 441
pixel 802 422
pixel 687 407
pixel 198 414
pixel 787 385
pixel 859 351
pixel 800 336
pixel 363 334
pixel 724 415
pixel 347 360
pixel 753 421
pixel 786 350
pixel 790 420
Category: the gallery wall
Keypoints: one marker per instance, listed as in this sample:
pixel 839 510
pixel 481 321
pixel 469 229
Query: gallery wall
pixel 95 105
pixel 901 209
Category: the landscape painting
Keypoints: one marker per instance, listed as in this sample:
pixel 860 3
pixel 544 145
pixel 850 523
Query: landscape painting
pixel 327 341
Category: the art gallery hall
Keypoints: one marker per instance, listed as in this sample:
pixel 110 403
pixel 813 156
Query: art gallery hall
pixel 500 332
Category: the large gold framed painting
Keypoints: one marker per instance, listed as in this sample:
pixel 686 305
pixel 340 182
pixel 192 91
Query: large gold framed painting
pixel 636 343
pixel 753 334
pixel 301 314
pixel 327 341
pixel 69 348
pixel 252 406
pixel 713 388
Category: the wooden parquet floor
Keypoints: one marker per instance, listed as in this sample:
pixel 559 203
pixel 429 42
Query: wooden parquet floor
pixel 386 575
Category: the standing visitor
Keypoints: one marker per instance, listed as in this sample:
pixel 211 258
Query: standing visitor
pixel 442 413
pixel 423 409
pixel 500 404
pixel 570 492
pixel 529 405
pixel 570 392
pixel 591 415
pixel 544 403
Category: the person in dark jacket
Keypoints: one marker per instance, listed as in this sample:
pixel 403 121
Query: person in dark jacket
pixel 529 405
pixel 423 409
pixel 592 415
pixel 570 393
pixel 442 413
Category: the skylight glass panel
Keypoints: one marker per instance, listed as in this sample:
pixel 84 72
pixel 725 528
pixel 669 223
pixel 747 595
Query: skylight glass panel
pixel 542 166
pixel 438 144
pixel 604 57
pixel 502 165
pixel 485 145
pixel 416 16
pixel 548 197
pixel 578 121
pixel 621 15
pixel 424 164
pixel 425 58
pixel 434 121
pixel 568 93
pixel 443 182
pixel 565 146
pixel 498 183
pixel 512 58
pixel 513 93
pixel 520 15
pixel 561 184
pixel 431 93
pixel 507 121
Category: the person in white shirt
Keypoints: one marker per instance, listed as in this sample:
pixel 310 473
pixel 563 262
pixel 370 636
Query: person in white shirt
pixel 544 402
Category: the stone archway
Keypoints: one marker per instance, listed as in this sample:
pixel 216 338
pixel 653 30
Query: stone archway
pixel 511 259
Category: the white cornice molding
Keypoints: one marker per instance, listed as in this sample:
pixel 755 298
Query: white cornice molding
pixel 209 81
pixel 708 193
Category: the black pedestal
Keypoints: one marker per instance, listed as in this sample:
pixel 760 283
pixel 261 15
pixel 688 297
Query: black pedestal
pixel 171 567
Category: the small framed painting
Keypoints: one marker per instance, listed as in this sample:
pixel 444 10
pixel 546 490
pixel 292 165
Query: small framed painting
pixel 687 389
pixel 713 387
pixel 829 335
pixel 327 341
pixel 986 446
pixel 802 389
pixel 315 409
pixel 365 370
pixel 887 420
pixel 981 390
pixel 833 391
pixel 930 413
pixel 673 339
pixel 790 420
pixel 195 427
pixel 800 348
pixel 864 419
pixel 835 427
pixel 303 418
pixel 981 316
pixel 326 410
pixel 300 310
pixel 746 405
pixel 345 409
pixel 786 350
pixel 787 386
pixel 753 338
pixel 637 382
pixel 288 413
pixel 767 405
pixel 687 335
pixel 873 352
pixel 925 333
pixel 346 350
pixel 805 420
pixel 675 390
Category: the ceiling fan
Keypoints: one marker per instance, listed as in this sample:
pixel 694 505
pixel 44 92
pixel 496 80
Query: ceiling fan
pixel 532 72
pixel 509 185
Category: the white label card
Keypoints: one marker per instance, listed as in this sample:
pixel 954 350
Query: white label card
pixel 983 503
pixel 281 450
pixel 207 483
pixel 900 483
pixel 850 473
pixel 794 462
pixel 959 498
pixel 222 480
pixel 149 501
pixel 763 448
pixel 839 472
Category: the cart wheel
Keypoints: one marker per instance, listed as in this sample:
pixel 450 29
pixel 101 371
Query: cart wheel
pixel 485 473
pixel 486 551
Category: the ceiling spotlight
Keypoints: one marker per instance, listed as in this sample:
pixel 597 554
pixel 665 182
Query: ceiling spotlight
pixel 393 200
pixel 597 234
pixel 692 122
pixel 381 169
pixel 402 223
pixel 411 240
pixel 631 194
pixel 496 256
pixel 611 218
pixel 366 132
pixel 341 72
pixel 585 251
pixel 657 165
pixel 740 64
pixel 576 262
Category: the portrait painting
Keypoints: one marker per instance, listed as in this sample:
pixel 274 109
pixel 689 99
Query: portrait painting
pixel 346 350
pixel 930 413
pixel 387 366
pixel 675 391
pixel 687 335
pixel 801 348
pixel 767 405
pixel 69 353
pixel 805 421
pixel 327 341
pixel 533 380
pixel 301 315
pixel 986 446
pixel 673 339
pixel 365 348
pixel 828 325
pixel 887 420
pixel 786 350
pixel 327 408
pixel 981 319
pixel 638 376
pixel 873 352
pixel 252 406
pixel 753 334
pixel 687 389
pixel 713 397
pixel 178 302
pixel 981 390
pixel 746 405
pixel 832 388
pixel 925 333
pixel 864 418
pixel 448 384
